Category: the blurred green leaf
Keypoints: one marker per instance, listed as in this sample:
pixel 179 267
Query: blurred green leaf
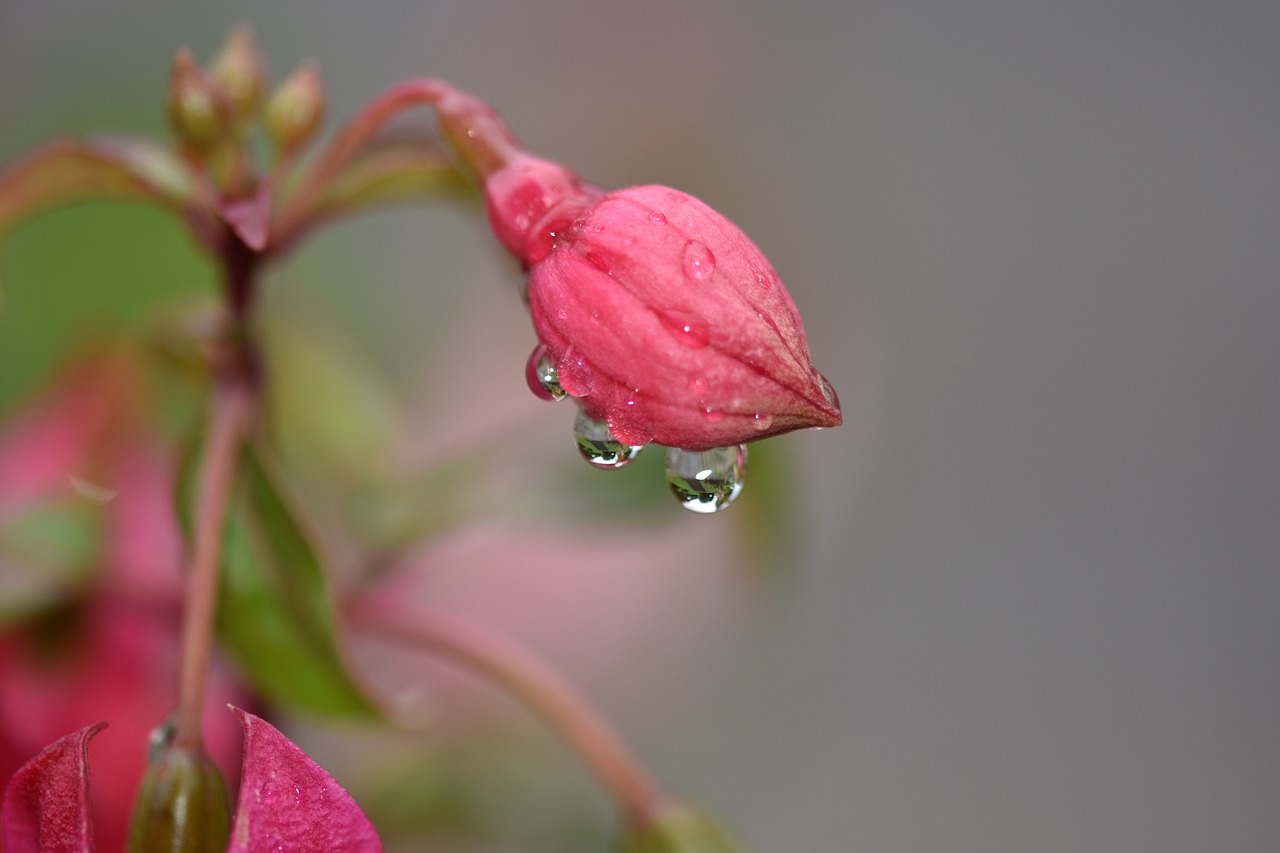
pixel 681 831
pixel 66 171
pixel 395 170
pixel 44 551
pixel 276 613
pixel 275 609
pixel 765 514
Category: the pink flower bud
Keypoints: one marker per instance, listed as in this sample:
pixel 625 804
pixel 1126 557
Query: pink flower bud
pixel 657 313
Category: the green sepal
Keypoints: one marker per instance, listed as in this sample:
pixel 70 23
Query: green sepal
pixel 680 831
pixel 181 806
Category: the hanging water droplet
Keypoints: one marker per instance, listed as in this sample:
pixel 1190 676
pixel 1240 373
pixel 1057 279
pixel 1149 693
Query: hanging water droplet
pixel 543 378
pixel 762 421
pixel 698 261
pixel 687 328
pixel 598 445
pixel 707 480
pixel 828 390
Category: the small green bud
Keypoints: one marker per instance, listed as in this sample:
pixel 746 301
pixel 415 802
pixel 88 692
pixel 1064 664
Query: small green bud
pixel 195 105
pixel 296 109
pixel 240 72
pixel 680 830
pixel 181 806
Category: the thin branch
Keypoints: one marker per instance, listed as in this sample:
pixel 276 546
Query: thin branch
pixel 229 420
pixel 536 685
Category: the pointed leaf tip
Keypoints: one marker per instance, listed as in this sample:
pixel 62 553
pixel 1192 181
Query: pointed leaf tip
pixel 46 804
pixel 288 802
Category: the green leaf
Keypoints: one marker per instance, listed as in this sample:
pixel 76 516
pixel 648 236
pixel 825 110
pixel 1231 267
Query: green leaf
pixel 388 172
pixel 681 831
pixel 275 611
pixel 73 170
pixel 45 551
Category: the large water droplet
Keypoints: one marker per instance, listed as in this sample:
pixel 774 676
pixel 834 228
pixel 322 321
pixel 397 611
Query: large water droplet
pixel 573 374
pixel 707 480
pixel 698 261
pixel 687 328
pixel 657 218
pixel 598 445
pixel 762 421
pixel 543 378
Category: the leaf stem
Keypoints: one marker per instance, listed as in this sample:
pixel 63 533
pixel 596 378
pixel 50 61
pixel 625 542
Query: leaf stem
pixel 535 684
pixel 229 419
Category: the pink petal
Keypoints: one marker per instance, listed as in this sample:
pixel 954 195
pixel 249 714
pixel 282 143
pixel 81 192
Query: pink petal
pixel 287 802
pixel 46 804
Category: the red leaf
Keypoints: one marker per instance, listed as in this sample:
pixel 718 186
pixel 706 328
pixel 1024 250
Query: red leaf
pixel 46 805
pixel 287 802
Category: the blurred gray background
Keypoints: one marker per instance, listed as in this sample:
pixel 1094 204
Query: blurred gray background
pixel 1035 246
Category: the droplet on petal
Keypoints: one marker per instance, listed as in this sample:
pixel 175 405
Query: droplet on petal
pixel 542 376
pixel 598 445
pixel 687 328
pixel 707 480
pixel 698 261
pixel 828 391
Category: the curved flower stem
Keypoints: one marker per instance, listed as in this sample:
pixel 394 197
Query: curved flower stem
pixel 481 138
pixel 536 685
pixel 229 420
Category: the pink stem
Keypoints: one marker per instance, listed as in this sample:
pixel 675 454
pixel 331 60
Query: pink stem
pixel 228 423
pixel 534 683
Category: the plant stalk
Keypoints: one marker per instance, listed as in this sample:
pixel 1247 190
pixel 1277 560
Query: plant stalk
pixel 536 685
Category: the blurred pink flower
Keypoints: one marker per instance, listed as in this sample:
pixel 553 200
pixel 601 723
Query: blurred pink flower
pixel 102 646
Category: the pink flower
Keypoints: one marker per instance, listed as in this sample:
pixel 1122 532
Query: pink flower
pixel 654 311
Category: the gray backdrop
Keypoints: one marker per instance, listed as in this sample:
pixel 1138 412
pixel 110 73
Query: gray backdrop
pixel 1035 244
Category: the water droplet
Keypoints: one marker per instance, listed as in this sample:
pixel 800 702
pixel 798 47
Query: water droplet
pixel 712 416
pixel 762 421
pixel 543 378
pixel 707 480
pixel 687 328
pixel 161 737
pixel 598 445
pixel 828 390
pixel 573 374
pixel 764 281
pixel 698 261
pixel 657 218
pixel 698 384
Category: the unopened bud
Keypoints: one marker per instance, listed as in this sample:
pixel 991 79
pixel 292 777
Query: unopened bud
pixel 296 109
pixel 181 806
pixel 240 72
pixel 196 107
